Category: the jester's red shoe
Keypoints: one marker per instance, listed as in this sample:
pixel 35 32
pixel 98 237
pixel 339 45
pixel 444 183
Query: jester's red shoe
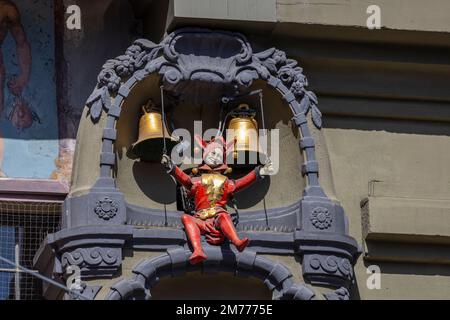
pixel 242 244
pixel 197 257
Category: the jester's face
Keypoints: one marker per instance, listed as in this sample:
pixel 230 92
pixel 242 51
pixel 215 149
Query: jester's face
pixel 214 158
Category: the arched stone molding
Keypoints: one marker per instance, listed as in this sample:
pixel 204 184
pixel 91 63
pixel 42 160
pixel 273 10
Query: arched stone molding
pixel 175 263
pixel 238 67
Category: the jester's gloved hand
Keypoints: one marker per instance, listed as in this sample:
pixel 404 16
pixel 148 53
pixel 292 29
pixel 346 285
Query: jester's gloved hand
pixel 167 163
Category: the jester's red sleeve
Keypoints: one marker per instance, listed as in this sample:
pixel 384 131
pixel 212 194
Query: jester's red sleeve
pixel 247 180
pixel 181 177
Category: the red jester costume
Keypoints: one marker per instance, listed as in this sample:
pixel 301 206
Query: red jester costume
pixel 211 190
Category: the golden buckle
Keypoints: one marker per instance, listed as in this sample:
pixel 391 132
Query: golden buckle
pixel 205 214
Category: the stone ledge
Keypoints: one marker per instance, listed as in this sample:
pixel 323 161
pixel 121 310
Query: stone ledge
pixel 261 10
pixel 32 190
pixel 406 219
pixel 406 230
pixel 407 253
pixel 353 13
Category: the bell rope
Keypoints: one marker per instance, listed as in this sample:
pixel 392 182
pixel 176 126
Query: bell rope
pixel 163 120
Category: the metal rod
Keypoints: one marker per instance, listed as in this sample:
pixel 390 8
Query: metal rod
pixel 17 274
pixel 163 120
pixel 266 215
pixel 263 121
pixel 262 111
pixel 221 121
pixel 44 278
pixel 252 93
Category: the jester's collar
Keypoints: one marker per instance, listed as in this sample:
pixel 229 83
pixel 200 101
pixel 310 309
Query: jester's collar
pixel 223 168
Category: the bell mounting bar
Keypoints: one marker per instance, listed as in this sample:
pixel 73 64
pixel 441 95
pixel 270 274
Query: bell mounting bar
pixel 228 99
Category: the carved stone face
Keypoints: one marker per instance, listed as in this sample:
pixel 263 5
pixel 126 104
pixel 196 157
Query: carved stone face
pixel 214 158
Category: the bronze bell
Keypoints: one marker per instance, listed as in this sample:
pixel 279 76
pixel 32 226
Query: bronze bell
pixel 152 132
pixel 246 145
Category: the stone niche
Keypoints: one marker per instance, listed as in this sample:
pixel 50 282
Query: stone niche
pixel 120 220
pixel 146 185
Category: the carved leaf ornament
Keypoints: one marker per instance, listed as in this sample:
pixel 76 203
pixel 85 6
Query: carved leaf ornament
pixel 145 57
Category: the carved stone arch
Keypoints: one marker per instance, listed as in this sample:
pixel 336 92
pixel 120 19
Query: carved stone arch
pixel 175 263
pixel 225 64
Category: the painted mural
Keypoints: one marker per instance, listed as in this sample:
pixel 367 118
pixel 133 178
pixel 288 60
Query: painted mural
pixel 28 110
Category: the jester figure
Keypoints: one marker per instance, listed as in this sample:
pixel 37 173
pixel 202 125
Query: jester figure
pixel 211 189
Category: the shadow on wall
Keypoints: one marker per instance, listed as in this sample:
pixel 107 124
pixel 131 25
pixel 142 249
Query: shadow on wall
pixel 424 257
pixel 196 286
pixel 253 194
pixel 108 29
pixel 411 269
pixel 389 125
pixel 154 182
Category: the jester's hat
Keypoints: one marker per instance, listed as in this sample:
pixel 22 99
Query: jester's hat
pixel 208 146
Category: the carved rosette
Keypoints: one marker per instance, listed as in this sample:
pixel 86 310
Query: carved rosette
pixel 321 218
pixel 106 208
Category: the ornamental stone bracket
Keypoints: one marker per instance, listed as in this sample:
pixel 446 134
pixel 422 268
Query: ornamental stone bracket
pixel 328 252
pixel 95 229
pixel 88 292
pixel 95 250
pixel 338 294
pixel 99 261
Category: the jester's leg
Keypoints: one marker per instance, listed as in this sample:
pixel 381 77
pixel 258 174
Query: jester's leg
pixel 193 233
pixel 227 227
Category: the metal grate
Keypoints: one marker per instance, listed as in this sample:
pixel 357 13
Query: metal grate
pixel 23 226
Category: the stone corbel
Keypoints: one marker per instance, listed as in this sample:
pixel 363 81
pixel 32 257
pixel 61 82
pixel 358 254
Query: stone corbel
pixel 88 293
pixel 328 252
pixel 95 251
